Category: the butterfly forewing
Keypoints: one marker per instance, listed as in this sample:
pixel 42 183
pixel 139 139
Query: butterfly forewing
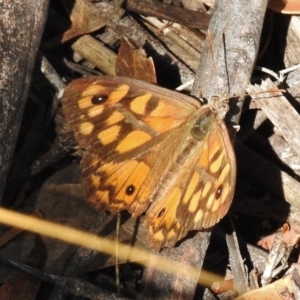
pixel 146 144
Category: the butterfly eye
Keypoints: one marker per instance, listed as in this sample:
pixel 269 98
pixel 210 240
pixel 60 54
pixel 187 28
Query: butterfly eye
pixel 130 190
pixel 219 191
pixel 99 99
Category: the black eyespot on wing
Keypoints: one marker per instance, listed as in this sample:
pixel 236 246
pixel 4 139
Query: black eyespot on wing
pixel 161 213
pixel 99 99
pixel 130 190
pixel 219 191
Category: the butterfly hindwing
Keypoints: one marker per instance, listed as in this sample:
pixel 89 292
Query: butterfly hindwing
pixel 130 183
pixel 200 193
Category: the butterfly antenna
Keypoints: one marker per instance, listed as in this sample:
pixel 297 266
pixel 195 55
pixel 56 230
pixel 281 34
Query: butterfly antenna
pixel 209 38
pixel 225 59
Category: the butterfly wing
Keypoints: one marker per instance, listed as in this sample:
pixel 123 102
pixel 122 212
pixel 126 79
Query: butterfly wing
pixel 130 131
pixel 201 192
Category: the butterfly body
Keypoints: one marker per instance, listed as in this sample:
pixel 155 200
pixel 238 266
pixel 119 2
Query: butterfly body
pixel 151 150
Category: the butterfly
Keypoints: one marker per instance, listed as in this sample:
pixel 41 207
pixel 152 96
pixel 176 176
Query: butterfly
pixel 154 151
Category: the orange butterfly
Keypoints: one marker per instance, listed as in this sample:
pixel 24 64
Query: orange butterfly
pixel 149 149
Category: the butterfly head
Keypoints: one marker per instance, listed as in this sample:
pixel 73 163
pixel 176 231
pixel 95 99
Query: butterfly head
pixel 219 105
